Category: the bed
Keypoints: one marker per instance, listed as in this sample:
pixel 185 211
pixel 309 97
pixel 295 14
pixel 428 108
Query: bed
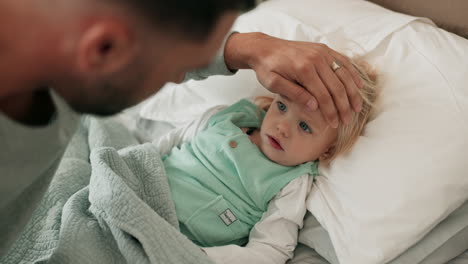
pixel 428 225
pixel 451 16
pixel 399 197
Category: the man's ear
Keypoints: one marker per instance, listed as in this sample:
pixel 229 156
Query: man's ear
pixel 105 47
pixel 327 155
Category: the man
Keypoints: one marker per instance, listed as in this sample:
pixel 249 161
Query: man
pixel 60 58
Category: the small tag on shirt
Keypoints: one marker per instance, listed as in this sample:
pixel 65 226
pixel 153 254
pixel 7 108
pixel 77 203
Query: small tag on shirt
pixel 228 217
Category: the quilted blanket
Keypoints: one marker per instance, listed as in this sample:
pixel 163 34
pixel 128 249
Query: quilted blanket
pixel 108 203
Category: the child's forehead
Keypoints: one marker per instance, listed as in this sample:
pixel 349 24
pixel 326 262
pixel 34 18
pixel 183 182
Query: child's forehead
pixel 301 109
pixel 314 117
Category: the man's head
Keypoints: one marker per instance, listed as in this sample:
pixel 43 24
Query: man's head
pixel 105 55
pixel 194 19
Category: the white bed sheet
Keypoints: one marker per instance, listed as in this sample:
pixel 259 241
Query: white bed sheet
pixel 306 255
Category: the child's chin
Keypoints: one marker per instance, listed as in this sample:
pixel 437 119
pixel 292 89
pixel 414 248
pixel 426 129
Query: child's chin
pixel 274 158
pixel 280 161
pixel 288 163
pixel 271 157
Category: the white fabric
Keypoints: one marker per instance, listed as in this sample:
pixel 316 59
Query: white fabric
pixel 285 211
pixel 185 133
pixel 408 171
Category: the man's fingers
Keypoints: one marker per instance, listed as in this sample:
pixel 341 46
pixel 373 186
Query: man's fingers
pixel 292 90
pixel 314 84
pixel 302 72
pixel 337 90
pixel 351 88
pixel 352 80
pixel 347 63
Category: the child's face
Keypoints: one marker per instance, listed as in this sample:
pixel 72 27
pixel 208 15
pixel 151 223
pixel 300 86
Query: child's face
pixel 291 135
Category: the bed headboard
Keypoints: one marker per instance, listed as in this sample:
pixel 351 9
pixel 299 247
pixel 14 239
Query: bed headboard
pixel 452 15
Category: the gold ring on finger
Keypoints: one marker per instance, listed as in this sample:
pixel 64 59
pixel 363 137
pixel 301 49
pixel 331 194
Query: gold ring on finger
pixel 336 65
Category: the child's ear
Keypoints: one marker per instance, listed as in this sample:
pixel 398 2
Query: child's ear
pixel 327 154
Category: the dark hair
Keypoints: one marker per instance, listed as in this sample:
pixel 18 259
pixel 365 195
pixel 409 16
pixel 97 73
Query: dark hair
pixel 195 19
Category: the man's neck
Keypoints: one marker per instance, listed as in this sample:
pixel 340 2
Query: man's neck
pixel 33 109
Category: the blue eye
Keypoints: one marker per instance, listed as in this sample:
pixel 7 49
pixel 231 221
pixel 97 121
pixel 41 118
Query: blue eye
pixel 305 127
pixel 282 107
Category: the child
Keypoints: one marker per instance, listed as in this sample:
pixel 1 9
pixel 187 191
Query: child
pixel 241 170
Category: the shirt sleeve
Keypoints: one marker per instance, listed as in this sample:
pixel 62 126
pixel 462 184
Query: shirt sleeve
pixel 185 133
pixel 216 67
pixel 274 238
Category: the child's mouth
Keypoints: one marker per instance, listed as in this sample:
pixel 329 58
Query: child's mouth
pixel 274 143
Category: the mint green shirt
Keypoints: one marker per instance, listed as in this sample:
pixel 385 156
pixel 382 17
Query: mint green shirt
pixel 221 182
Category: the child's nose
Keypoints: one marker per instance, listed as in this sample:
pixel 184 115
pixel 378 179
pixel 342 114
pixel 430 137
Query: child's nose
pixel 283 128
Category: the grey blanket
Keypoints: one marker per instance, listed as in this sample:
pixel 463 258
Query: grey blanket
pixel 108 203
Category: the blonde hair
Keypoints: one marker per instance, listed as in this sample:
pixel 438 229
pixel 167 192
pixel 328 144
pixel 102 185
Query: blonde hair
pixel 347 134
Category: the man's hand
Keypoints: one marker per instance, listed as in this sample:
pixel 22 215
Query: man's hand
pixel 300 71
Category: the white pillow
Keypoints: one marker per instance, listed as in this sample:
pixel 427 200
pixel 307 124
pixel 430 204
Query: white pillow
pixel 408 171
pixel 181 103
